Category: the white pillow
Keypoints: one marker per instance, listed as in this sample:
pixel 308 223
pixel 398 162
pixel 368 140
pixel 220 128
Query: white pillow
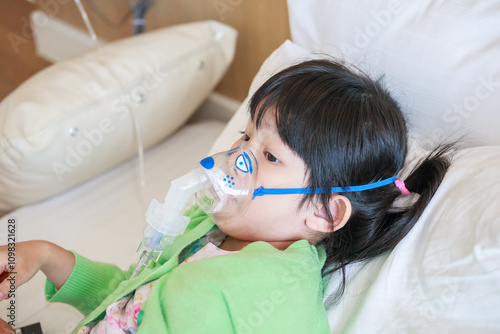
pixel 440 58
pixel 71 121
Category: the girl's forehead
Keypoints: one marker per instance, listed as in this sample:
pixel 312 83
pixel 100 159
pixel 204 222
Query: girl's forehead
pixel 267 123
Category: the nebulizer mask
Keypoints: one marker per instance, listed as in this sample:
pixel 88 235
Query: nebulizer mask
pixel 223 186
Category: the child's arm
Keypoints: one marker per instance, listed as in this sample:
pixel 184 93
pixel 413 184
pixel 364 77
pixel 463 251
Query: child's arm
pixel 29 257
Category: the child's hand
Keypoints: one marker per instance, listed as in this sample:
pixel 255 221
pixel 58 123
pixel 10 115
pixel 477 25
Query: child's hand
pixel 31 256
pixel 28 260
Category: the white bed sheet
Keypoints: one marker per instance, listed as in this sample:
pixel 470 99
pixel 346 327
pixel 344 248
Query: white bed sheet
pixel 102 219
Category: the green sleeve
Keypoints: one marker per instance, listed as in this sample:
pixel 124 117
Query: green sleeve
pixel 87 286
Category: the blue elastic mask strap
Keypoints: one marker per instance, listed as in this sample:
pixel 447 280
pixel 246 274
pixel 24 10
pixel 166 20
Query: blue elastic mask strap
pixel 290 191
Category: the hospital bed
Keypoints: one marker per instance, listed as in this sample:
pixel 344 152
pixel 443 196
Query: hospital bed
pixel 439 58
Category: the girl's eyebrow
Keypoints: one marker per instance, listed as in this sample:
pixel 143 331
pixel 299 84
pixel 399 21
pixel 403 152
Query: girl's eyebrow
pixel 268 125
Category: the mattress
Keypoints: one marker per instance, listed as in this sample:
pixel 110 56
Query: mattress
pixel 103 218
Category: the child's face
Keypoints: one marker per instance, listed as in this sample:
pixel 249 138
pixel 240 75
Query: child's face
pixel 272 217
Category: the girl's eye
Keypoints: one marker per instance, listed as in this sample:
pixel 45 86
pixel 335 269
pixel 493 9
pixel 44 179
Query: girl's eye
pixel 271 158
pixel 245 137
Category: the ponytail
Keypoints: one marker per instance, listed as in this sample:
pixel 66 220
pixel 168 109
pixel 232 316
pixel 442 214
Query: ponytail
pixel 368 235
pixel 426 178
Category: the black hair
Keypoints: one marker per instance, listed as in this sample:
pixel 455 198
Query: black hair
pixel 349 131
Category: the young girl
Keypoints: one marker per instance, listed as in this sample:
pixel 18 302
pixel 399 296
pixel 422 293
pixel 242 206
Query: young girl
pixel 331 141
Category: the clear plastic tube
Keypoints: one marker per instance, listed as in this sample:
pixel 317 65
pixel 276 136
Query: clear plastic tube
pixel 135 119
pixel 86 20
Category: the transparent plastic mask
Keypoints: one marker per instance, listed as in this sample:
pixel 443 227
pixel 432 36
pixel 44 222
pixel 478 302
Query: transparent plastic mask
pixel 232 177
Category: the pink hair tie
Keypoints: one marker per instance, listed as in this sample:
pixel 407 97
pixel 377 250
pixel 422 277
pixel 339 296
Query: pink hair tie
pixel 401 186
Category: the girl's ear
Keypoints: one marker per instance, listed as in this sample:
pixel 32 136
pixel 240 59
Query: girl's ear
pixel 341 210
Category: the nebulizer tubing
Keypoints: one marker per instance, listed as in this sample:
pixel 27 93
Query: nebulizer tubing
pixel 137 129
